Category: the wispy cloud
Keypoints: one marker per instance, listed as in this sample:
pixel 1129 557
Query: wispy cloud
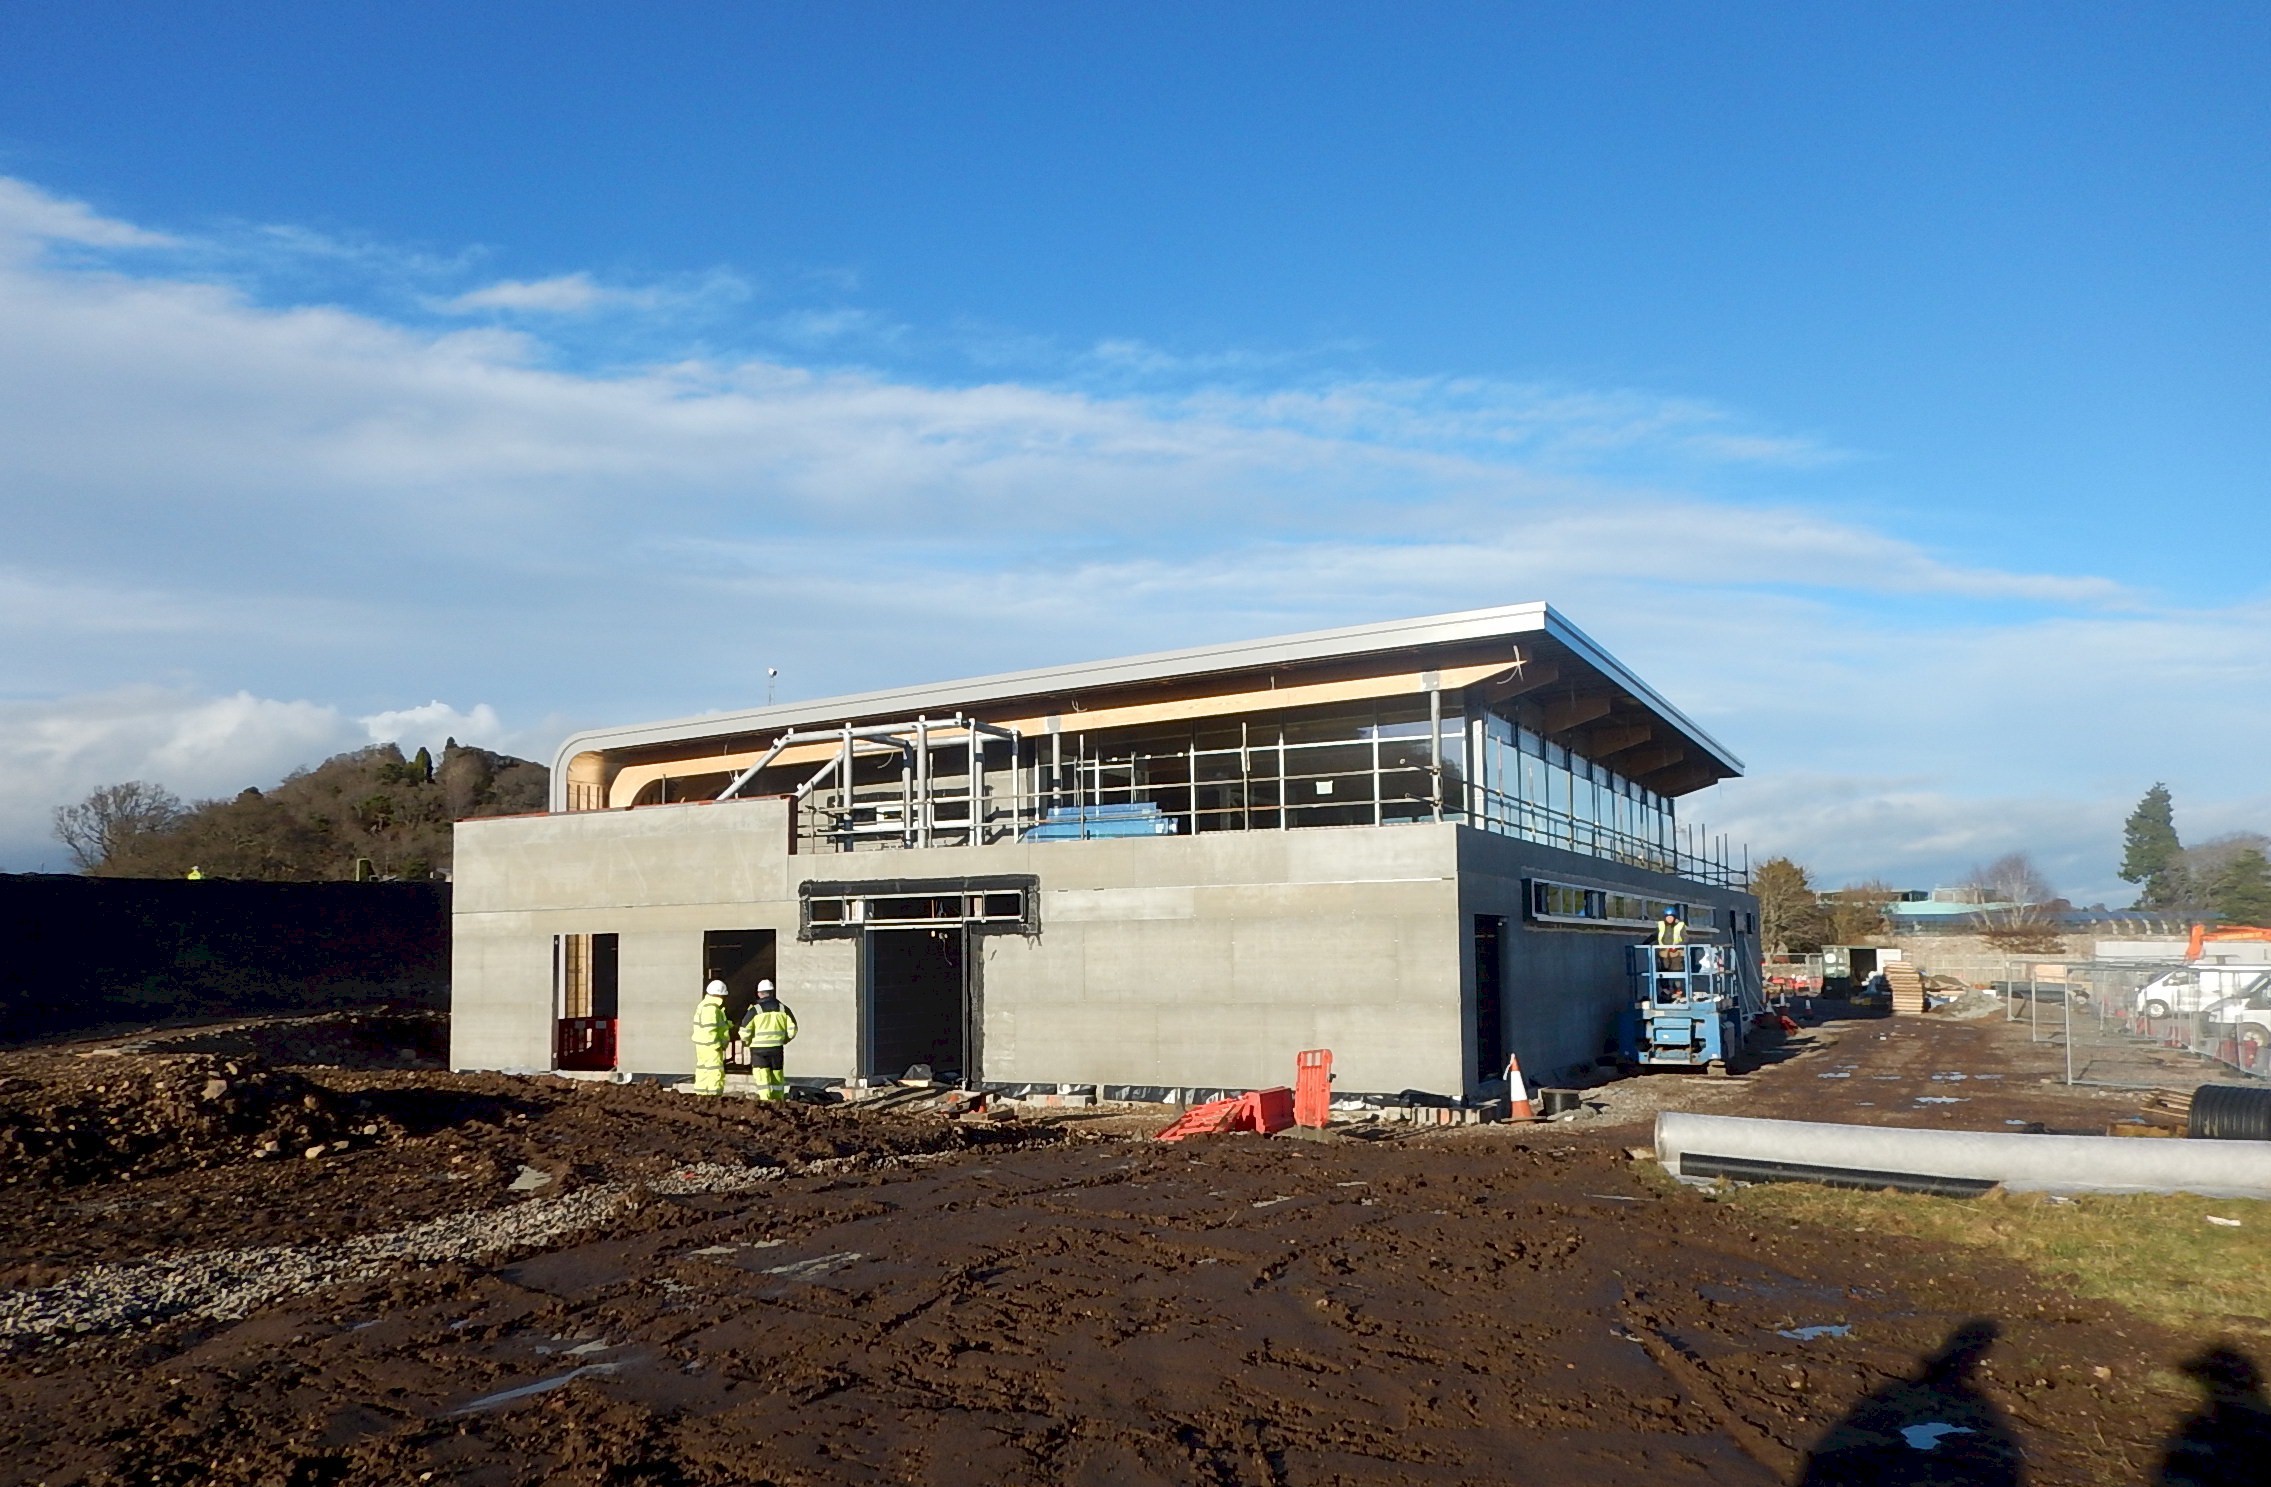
pixel 565 294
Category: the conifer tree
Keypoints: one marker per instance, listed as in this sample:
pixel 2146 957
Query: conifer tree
pixel 2241 893
pixel 2151 853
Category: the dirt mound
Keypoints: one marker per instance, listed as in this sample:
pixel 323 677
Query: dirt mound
pixel 107 1119
pixel 382 1038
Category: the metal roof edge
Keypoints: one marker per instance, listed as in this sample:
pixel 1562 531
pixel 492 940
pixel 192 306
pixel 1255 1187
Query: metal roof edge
pixel 1510 620
pixel 1584 645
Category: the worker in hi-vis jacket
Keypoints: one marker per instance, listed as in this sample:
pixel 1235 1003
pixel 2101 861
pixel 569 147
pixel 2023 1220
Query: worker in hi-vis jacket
pixel 712 1031
pixel 767 1031
pixel 1671 933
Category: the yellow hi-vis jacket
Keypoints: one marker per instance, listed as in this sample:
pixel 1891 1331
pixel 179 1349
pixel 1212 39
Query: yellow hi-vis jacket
pixel 768 1029
pixel 1671 932
pixel 712 1029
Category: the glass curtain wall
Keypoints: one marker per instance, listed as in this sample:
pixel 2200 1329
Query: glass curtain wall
pixel 1531 787
pixel 1354 766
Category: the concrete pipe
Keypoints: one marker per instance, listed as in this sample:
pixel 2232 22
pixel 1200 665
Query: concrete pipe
pixel 1955 1163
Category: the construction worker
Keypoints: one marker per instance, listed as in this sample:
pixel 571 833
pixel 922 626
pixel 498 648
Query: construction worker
pixel 712 1031
pixel 1671 934
pixel 195 874
pixel 768 1030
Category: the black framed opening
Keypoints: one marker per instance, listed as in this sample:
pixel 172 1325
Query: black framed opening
pixel 1490 996
pixel 916 1004
pixel 740 958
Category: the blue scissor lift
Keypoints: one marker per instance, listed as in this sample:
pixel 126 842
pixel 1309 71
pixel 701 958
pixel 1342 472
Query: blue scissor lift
pixel 1687 1009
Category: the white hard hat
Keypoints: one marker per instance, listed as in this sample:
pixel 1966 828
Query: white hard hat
pixel 715 988
pixel 764 986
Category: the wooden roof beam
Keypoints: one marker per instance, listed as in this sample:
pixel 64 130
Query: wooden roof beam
pixel 1602 743
pixel 1642 763
pixel 1679 779
pixel 1566 713
pixel 1524 679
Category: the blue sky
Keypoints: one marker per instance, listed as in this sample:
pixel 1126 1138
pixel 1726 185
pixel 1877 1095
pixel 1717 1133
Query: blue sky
pixel 1887 383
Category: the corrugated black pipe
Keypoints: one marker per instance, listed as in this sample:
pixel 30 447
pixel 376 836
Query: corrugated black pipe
pixel 2232 1112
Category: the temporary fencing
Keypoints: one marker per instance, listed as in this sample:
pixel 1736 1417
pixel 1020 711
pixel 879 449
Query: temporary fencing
pixel 2115 1018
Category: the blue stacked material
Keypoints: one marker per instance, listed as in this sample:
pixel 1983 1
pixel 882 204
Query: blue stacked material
pixel 1079 823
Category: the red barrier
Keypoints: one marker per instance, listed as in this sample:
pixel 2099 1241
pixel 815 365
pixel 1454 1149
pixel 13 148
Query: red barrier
pixel 1313 1088
pixel 1265 1110
pixel 584 1044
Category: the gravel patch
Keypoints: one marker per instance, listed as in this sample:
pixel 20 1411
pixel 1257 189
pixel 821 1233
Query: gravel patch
pixel 230 1284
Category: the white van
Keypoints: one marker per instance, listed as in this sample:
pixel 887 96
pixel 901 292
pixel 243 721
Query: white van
pixel 2182 993
pixel 2249 1020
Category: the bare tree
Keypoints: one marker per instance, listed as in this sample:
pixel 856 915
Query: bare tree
pixel 2016 902
pixel 1790 920
pixel 1856 913
pixel 109 819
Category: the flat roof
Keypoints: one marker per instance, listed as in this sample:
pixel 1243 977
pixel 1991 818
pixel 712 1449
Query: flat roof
pixel 1512 622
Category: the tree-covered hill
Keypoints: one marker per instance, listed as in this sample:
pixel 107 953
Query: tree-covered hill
pixel 371 806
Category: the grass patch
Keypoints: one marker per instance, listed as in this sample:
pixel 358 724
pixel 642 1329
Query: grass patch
pixel 2157 1256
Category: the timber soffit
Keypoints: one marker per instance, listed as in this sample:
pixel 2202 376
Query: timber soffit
pixel 1511 622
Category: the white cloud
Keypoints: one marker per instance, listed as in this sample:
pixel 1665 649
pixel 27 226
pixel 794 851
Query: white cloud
pixel 60 749
pixel 30 217
pixel 215 494
pixel 431 726
pixel 566 294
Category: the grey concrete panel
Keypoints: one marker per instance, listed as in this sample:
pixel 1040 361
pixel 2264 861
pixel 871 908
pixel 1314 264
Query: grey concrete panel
pixel 659 976
pixel 501 1001
pixel 735 852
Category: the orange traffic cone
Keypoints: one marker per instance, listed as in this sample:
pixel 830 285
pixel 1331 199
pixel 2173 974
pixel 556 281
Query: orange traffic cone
pixel 1517 1093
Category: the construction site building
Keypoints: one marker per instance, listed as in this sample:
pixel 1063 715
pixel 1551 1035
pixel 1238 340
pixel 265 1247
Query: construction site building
pixel 1422 844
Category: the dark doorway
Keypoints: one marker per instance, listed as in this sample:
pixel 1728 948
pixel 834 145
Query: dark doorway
pixel 740 958
pixel 917 1004
pixel 1490 996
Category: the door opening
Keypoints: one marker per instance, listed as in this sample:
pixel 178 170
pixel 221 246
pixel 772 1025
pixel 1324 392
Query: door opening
pixel 917 1004
pixel 1490 996
pixel 584 986
pixel 740 958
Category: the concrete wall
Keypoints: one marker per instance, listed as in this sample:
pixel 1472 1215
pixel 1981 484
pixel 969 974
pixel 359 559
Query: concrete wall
pixel 1564 983
pixel 1161 961
pixel 1168 961
pixel 658 879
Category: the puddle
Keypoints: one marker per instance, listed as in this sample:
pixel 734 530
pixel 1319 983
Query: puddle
pixel 528 1180
pixel 1274 1202
pixel 526 1391
pixel 715 1249
pixel 1808 1334
pixel 1939 1099
pixel 1949 1078
pixel 1927 1437
pixel 814 1268
pixel 2015 1122
pixel 1834 1074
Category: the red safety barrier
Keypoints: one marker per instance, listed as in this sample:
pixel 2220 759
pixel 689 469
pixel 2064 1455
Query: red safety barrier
pixel 1313 1088
pixel 1269 1110
pixel 1265 1110
pixel 584 1044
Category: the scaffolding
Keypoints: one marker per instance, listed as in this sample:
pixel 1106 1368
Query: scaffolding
pixel 959 781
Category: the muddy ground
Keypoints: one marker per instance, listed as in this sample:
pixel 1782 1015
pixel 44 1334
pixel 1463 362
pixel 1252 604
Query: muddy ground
pixel 489 1280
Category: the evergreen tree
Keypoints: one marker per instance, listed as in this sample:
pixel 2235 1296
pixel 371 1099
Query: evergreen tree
pixel 2241 893
pixel 2151 853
